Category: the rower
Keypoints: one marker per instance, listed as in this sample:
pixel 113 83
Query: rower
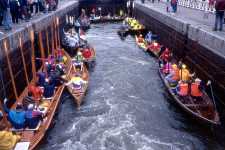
pixel 196 89
pixel 167 68
pixel 76 83
pixel 33 117
pixel 182 88
pixel 184 73
pixel 154 47
pixel 86 53
pixel 140 39
pixel 49 89
pixel 28 100
pixel 165 56
pixel 79 57
pixel 15 116
pixel 36 93
pixel 8 139
pixel 173 76
pixel 148 37
pixel 41 78
pixel 79 60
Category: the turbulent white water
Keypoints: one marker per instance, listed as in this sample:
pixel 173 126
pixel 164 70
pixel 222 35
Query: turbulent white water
pixel 126 107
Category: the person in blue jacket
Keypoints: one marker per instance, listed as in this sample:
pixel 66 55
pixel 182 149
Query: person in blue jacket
pixel 49 88
pixel 15 116
pixel 33 117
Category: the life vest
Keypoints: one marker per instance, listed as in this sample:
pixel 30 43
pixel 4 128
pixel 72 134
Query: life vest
pixel 176 75
pixel 184 75
pixel 183 89
pixel 86 53
pixel 36 92
pixel 79 58
pixel 154 47
pixel 195 91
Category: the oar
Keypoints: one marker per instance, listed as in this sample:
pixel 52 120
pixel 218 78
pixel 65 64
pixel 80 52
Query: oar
pixel 212 93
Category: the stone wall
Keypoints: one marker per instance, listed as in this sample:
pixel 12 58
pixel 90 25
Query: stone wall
pixel 203 52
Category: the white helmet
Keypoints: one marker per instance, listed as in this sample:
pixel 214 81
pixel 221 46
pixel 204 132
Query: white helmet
pixel 79 53
pixel 198 80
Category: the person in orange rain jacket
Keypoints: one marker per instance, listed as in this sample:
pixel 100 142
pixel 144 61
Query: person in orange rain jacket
pixel 182 88
pixel 196 89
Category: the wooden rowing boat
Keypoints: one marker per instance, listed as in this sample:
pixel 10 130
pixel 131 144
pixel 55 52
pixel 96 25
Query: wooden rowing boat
pixel 204 110
pixel 35 136
pixel 143 45
pixel 78 94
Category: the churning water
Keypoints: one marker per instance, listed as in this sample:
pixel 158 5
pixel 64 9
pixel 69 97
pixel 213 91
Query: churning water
pixel 126 106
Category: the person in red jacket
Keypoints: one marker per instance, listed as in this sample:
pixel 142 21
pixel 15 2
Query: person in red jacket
pixel 220 7
pixel 165 56
pixel 86 53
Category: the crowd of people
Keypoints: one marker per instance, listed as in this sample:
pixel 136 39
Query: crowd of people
pixel 12 11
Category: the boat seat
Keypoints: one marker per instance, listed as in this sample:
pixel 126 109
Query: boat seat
pixel 198 105
pixel 27 129
pixel 27 136
pixel 22 146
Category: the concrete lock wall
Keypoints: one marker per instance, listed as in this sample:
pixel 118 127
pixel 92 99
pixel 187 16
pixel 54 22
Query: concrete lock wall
pixel 203 52
pixel 44 25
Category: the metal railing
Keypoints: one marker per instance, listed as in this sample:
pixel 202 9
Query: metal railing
pixel 197 4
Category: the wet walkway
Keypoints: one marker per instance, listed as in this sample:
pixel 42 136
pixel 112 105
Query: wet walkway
pixel 126 107
pixel 192 16
pixel 23 24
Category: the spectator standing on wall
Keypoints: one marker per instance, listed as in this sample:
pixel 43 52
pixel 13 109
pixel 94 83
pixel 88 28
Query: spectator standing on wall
pixel 14 9
pixel 7 19
pixel 211 5
pixel 174 5
pixel 220 7
pixel 24 9
pixel 167 6
pixel 1 12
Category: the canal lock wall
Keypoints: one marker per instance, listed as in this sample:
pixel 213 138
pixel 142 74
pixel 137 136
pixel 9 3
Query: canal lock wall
pixel 203 52
pixel 15 83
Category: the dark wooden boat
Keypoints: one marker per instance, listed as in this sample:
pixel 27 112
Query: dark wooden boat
pixel 77 94
pixel 204 111
pixel 143 45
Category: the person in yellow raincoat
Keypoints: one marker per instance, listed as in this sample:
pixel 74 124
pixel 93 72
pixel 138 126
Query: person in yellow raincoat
pixel 8 140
